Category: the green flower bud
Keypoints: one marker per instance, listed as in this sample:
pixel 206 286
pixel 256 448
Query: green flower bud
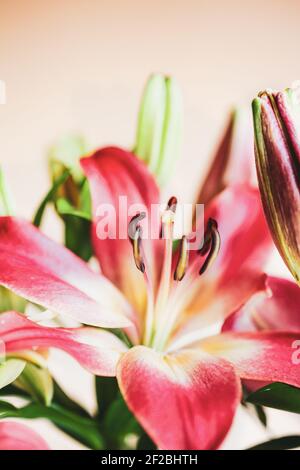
pixel 159 129
pixel 65 154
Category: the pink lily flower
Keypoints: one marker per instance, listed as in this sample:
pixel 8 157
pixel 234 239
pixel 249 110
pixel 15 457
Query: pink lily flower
pixel 183 386
pixel 17 436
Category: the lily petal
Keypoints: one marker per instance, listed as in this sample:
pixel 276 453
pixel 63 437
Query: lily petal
pixel 44 272
pixel 96 350
pixel 263 356
pixel 17 436
pixel 236 273
pixel 186 400
pixel 119 183
pixel 234 159
pixel 275 307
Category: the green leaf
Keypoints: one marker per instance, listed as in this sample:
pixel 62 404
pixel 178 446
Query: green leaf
pixel 10 370
pixel 77 236
pixel 85 198
pixel 119 421
pixel 49 197
pixel 7 410
pixel 107 390
pixel 77 222
pixel 37 382
pixel 145 443
pixel 85 430
pixel 282 443
pixel 63 207
pixel 12 390
pixel 118 425
pixel 277 395
pixel 61 398
pixel 261 414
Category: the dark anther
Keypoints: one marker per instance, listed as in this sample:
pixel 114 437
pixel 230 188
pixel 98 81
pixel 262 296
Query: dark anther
pixel 135 236
pixel 207 237
pixel 134 224
pixel 212 243
pixel 172 204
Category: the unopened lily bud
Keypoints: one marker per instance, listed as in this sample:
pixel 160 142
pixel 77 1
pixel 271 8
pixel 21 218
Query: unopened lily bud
pixel 277 148
pixel 64 155
pixel 233 161
pixel 159 129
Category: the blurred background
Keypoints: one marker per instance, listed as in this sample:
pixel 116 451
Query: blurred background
pixel 80 66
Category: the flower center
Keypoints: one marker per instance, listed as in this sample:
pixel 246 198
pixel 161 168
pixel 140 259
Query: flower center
pixel 167 298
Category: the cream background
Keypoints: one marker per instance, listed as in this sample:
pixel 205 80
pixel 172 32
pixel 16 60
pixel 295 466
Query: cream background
pixel 81 65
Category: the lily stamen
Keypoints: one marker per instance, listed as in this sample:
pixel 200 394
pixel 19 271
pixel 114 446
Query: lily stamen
pixel 167 221
pixel 185 290
pixel 134 223
pixel 214 245
pixel 135 236
pixel 207 238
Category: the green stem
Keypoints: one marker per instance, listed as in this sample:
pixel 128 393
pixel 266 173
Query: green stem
pixel 49 198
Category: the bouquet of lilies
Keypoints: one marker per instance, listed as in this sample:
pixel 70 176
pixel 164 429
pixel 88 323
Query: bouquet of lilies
pixel 179 330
